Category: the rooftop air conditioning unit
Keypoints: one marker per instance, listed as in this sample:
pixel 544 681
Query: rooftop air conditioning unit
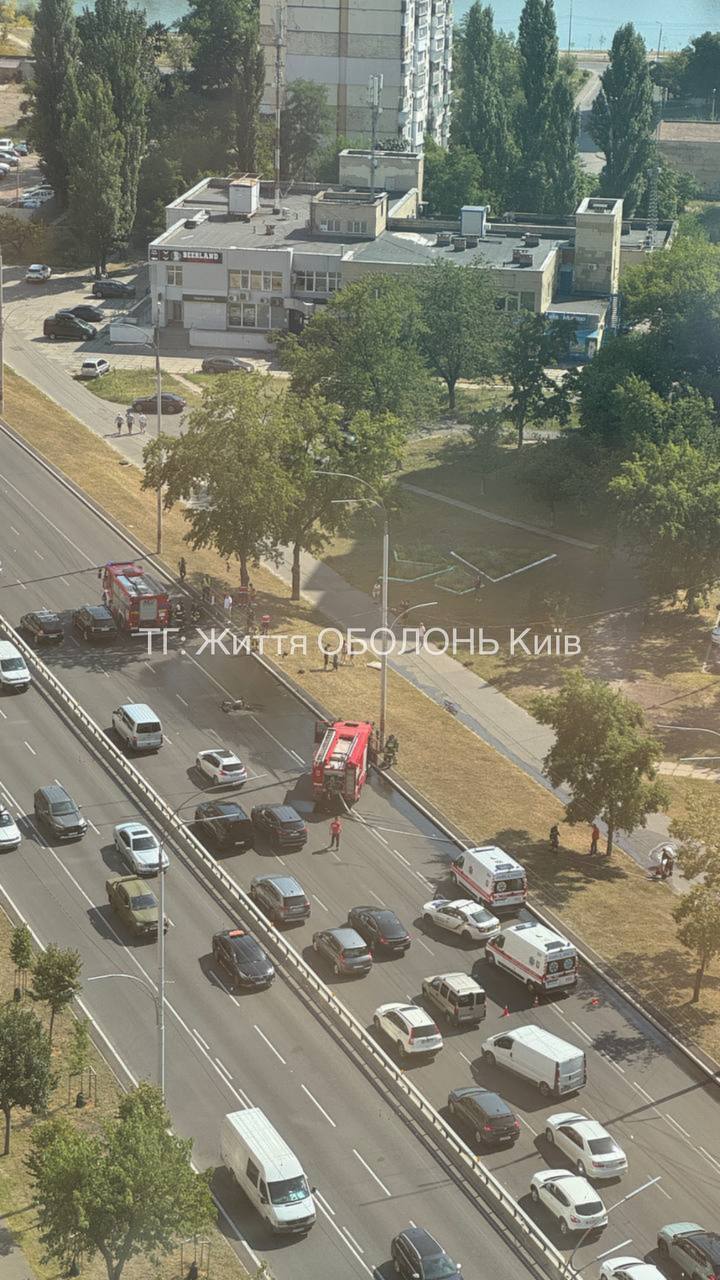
pixel 531 241
pixel 522 258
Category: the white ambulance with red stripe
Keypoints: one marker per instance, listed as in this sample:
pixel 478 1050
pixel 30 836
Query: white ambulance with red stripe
pixel 490 875
pixel 539 957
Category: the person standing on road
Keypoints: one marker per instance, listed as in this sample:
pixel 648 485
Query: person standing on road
pixel 119 424
pixel 335 833
pixel 594 837
pixel 142 423
pixel 227 604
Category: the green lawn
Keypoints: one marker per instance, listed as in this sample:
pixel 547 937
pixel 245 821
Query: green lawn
pixel 123 385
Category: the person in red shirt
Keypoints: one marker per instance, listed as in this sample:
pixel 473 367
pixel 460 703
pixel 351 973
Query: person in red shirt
pixel 335 833
pixel 594 837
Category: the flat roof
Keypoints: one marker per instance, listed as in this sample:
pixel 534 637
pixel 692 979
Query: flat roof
pixel 228 231
pixel 580 306
pixel 420 247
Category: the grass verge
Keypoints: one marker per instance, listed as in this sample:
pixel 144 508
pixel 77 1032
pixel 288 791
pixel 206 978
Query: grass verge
pixel 15 1187
pixel 121 386
pixel 621 915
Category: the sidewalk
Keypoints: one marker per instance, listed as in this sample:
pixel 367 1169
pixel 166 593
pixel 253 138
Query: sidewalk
pixel 13 1265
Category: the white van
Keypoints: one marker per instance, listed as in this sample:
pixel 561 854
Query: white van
pixel 491 876
pixel 539 957
pixel 14 672
pixel 138 726
pixel 554 1065
pixel 267 1170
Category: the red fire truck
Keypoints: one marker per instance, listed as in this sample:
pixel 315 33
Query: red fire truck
pixel 134 598
pixel 340 763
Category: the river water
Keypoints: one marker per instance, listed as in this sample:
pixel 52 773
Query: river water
pixel 581 23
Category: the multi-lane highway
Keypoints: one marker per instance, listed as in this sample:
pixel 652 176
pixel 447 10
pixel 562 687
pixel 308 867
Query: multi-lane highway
pixel 266 1046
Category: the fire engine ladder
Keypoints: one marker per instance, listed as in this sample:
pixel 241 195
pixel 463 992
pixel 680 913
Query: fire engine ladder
pixel 343 748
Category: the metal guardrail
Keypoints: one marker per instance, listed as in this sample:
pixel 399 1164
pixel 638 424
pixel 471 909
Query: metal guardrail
pixel 420 1110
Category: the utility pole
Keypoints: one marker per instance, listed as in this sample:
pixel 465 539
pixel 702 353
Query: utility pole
pixel 570 27
pixel 158 407
pixel 660 41
pixel 279 69
pixel 375 88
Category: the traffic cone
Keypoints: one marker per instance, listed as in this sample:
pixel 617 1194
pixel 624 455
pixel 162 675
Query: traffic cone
pixel 536 1001
pixel 505 1013
pixel 594 1002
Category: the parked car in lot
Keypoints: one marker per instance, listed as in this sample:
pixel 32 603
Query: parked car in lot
pixel 226 364
pixel 485 1114
pixel 112 289
pixel 282 898
pixel 94 367
pixel 345 950
pixel 242 959
pixel 10 159
pixel 63 325
pixel 10 835
pixel 43 626
pixel 222 824
pixel 409 1028
pixel 134 904
pixel 222 765
pixel 85 311
pixel 94 622
pixel 572 1202
pixel 380 928
pixel 462 916
pixel 693 1249
pixel 594 1153
pixel 170 403
pixel 57 812
pixel 282 825
pixel 417 1255
pixel 139 848
pixel 22 148
pixel 37 273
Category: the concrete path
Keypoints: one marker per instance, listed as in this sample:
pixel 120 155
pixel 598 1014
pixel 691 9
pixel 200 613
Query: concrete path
pixel 13 1265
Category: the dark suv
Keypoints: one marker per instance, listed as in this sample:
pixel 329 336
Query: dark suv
pixel 223 824
pixel 242 959
pixel 345 950
pixel 282 825
pixel 488 1117
pixel 112 289
pixel 418 1256
pixel 94 622
pixel 281 898
pixel 58 813
pixel 63 325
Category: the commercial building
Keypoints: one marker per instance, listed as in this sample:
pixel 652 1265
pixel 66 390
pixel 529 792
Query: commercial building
pixel 231 266
pixel 342 43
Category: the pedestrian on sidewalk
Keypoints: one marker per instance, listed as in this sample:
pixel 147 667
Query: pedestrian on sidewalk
pixel 129 419
pixel 594 837
pixel 421 637
pixel 335 833
pixel 336 660
pixel 142 422
pixel 182 569
pixel 119 423
pixel 376 591
pixel 227 604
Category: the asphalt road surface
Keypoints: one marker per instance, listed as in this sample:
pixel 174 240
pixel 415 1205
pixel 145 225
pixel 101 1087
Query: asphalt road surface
pixel 661 1112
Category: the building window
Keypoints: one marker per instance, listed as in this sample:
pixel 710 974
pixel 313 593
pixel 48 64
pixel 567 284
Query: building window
pixel 527 301
pixel 174 274
pixel 317 281
pixel 357 228
pixel 513 302
pixel 257 281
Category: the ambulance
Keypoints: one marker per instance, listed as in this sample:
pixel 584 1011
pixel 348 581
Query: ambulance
pixel 491 876
pixel 539 957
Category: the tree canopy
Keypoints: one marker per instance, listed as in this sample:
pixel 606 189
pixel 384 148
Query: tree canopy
pixel 532 346
pixel 461 336
pixel 481 122
pixel 621 118
pixel 26 1078
pixel 305 121
pixel 56 979
pixel 55 49
pixel 697 914
pixel 96 146
pixel 228 63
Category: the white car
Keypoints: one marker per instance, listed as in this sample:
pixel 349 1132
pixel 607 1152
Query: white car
pixel 409 1028
pixel 464 916
pixel 94 367
pixel 629 1269
pixel 594 1153
pixel 139 848
pixel 570 1199
pixel 222 766
pixel 10 836
pixel 38 272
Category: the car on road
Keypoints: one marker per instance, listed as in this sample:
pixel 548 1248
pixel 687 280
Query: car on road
pixel 463 916
pixel 417 1255
pixel 112 289
pixel 458 996
pixel 485 1114
pixel 135 904
pixel 695 1251
pixel 223 824
pixel 594 1153
pixel 10 836
pixel 63 325
pixel 43 626
pixel 57 812
pixel 222 765
pixel 282 898
pixel 226 364
pixel 281 824
pixel 413 1033
pixel 629 1269
pixel 380 928
pixel 94 367
pixel 241 957
pixel 345 950
pixel 148 404
pixel 139 848
pixel 37 273
pixel 94 622
pixel 575 1205
pixel 85 311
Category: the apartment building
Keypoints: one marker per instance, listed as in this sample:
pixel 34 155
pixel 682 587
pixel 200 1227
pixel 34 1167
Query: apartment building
pixel 342 43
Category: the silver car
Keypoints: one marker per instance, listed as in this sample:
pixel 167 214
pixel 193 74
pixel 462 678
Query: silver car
pixel 139 848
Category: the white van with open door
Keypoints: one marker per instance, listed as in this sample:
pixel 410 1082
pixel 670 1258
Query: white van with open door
pixel 539 957
pixel 492 876
pixel 554 1065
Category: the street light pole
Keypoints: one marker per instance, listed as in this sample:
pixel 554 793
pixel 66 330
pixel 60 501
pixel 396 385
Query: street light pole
pixel 158 408
pixel 630 1196
pixel 2 337
pixel 384 626
pixel 133 977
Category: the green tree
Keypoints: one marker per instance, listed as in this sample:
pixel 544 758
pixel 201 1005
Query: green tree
pixel 698 833
pixel 644 355
pixel 451 179
pixel 129 1191
pixel 461 336
pixel 547 120
pixel 489 435
pixel 562 471
pixel 697 914
pixel 26 1080
pixel 227 62
pixel 700 67
pixel 56 980
pixel 96 148
pixel 305 122
pixel 534 397
pixel 362 350
pixel 54 47
pixel 480 121
pixel 603 752
pixel 80 1051
pixel 621 119
pixel 562 166
pixel 21 952
pixel 232 447
pixel 643 415
pixel 668 502
pixel 665 287
pixel 160 181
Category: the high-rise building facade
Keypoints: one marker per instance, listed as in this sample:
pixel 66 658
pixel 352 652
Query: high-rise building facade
pixel 342 43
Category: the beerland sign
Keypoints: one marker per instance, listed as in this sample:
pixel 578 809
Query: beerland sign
pixel 158 254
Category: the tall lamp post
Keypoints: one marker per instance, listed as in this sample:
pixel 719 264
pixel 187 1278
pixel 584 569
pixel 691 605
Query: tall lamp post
pixel 690 728
pixel 630 1196
pixel 154 996
pixel 152 339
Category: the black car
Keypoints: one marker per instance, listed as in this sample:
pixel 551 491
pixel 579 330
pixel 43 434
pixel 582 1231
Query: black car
pixel 281 898
pixel 242 958
pixel 281 824
pixel 56 810
pixel 380 928
pixel 94 622
pixel 223 824
pixel 86 312
pixel 63 325
pixel 170 403
pixel 486 1115
pixel 418 1256
pixel 43 626
pixel 112 289
pixel 226 364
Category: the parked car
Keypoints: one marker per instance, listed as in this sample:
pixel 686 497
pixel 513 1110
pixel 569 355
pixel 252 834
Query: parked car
pixel 282 825
pixel 139 848
pixel 4 170
pixel 94 367
pixel 221 765
pixel 43 626
pixel 487 1116
pixel 629 1269
pixel 6 143
pixel 409 1028
pixel 37 273
pixel 58 813
pixel 222 824
pixel 22 148
pixel 94 622
pixel 693 1249
pixel 63 325
pixel 345 951
pixel 242 958
pixel 170 403
pixel 282 898
pixel 463 916
pixel 112 289
pixel 85 311
pixel 380 928
pixel 575 1205
pixel 226 364
pixel 135 904
pixel 594 1153
pixel 10 159
pixel 10 836
pixel 417 1255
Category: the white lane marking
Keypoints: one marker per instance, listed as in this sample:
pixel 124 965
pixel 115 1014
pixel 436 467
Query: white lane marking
pixel 181 699
pixel 560 1014
pixel 709 1157
pixel 197 1036
pixel 610 1062
pixel 320 904
pixel 659 1187
pixel 47 519
pixel 223 1068
pixel 345 1241
pixel 37 553
pixel 213 734
pixel 217 979
pixel 353 1241
pixel 30 749
pixel 424 945
pixel 15 531
pixel 644 1092
pixel 528 1126
pixel 2 713
pixel 149 666
pixel 317 1104
pixel 673 1121
pixel 67 584
pixel 167 739
pixel 379 836
pixel 282 861
pixel 334 855
pixel 238 1234
pixel 372 1172
pixel 464 1055
pixel 582 1033
pixel 297 757
pixel 95 829
pixel 614 1249
pixel 319 1196
pixel 269 1044
pixel 374 895
pixel 412 1224
pixel 20 584
pixel 400 856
